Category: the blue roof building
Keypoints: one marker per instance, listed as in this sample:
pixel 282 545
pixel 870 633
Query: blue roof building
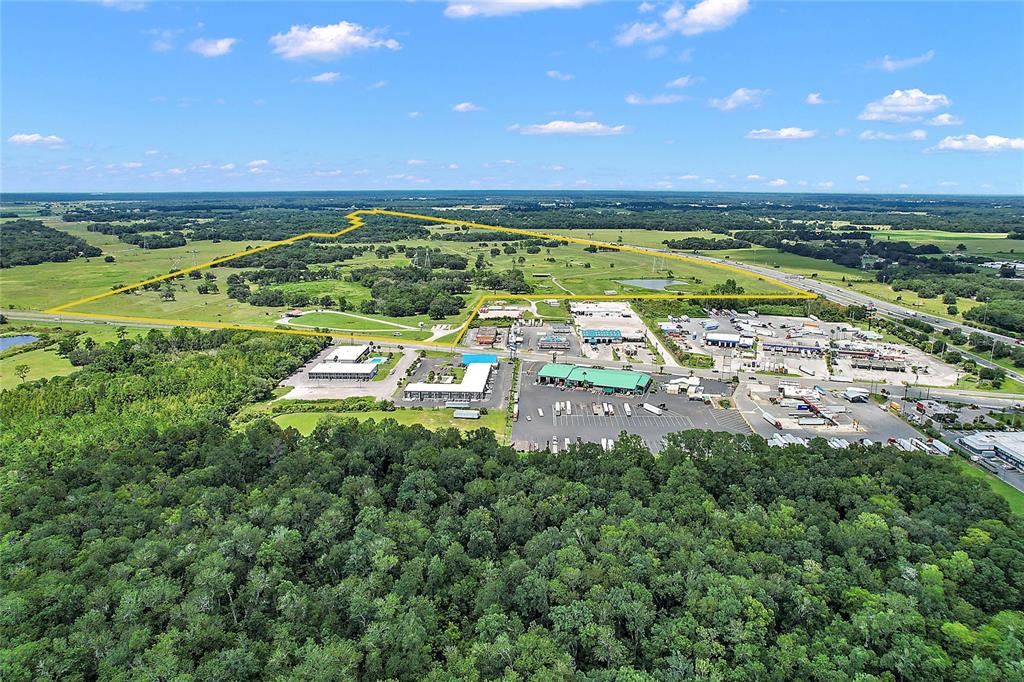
pixel 479 359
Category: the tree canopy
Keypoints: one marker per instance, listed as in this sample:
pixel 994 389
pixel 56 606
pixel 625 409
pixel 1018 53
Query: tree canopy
pixel 144 534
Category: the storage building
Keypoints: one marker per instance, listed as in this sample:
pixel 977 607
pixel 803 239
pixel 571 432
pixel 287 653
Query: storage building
pixel 596 336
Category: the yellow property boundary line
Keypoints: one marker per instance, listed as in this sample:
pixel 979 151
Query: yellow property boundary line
pixel 355 219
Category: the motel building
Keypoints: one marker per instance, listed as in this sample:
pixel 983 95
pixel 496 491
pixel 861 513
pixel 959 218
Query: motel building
pixel 473 386
pixel 608 381
pixel 358 371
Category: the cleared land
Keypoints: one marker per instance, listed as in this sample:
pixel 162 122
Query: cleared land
pixel 305 422
pixel 568 269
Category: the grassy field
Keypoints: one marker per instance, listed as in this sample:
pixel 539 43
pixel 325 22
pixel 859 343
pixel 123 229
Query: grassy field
pixel 856 280
pixel 1014 497
pixel 566 269
pixel 42 364
pixel 305 422
pixel 992 244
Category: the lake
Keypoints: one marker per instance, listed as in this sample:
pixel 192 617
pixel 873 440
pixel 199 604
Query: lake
pixel 13 341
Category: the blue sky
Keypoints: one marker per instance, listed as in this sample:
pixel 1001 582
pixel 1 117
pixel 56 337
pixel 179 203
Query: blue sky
pixel 546 94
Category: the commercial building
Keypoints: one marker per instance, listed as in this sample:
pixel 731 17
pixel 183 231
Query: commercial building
pixel 606 380
pixel 791 348
pixel 728 340
pixel 596 336
pixel 561 328
pixel 486 336
pixel 359 371
pixel 472 387
pixel 553 343
pixel 348 354
pixel 480 358
pixel 1006 445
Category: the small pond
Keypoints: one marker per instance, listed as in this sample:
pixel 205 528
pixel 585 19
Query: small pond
pixel 14 341
pixel 653 284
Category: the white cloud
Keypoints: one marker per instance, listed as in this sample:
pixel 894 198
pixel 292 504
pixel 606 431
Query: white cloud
pixel 689 177
pixel 949 183
pixel 465 107
pixel 904 185
pixel 227 167
pixel 945 120
pixel 777 182
pixel 152 152
pixel 212 48
pixel 131 164
pixel 327 173
pixel 554 168
pixel 645 7
pixel 653 100
pixel 163 38
pixel 452 166
pixel 826 184
pixel 415 162
pixel 888 63
pixel 569 128
pixel 682 82
pixel 791 133
pixel 879 135
pixel 903 105
pixel 377 85
pixel 414 114
pixel 464 9
pixel 753 176
pixel 257 166
pixel 862 178
pixel 124 5
pixel 325 77
pixel 741 97
pixel 976 143
pixel 559 76
pixel 333 40
pixel 814 98
pixel 177 171
pixel 36 138
pixel 706 15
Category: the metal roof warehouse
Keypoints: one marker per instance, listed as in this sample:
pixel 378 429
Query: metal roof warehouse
pixel 608 380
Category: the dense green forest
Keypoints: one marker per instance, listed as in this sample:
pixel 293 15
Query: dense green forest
pixel 29 242
pixel 144 536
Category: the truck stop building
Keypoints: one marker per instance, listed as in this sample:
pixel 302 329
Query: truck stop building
pixel 607 380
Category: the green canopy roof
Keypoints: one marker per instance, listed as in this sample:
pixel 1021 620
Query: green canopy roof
pixel 602 378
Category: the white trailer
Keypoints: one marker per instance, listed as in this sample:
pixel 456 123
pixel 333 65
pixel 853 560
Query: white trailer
pixel 568 408
pixel 567 442
pixel 558 409
pixel 540 412
pixel 628 409
pixel 652 409
pixel 940 447
pixel 611 410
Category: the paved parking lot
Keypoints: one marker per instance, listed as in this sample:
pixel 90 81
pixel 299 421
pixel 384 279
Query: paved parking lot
pixel 680 414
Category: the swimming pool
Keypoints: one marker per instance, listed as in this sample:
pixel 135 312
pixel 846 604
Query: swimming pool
pixel 377 361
